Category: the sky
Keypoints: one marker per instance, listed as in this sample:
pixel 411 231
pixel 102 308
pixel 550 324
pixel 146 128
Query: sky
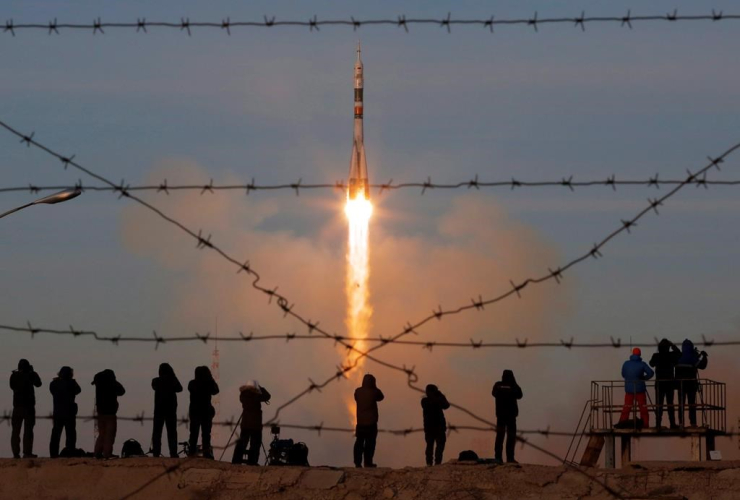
pixel 275 105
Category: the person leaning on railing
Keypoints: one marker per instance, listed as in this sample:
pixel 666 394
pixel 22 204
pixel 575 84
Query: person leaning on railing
pixel 635 372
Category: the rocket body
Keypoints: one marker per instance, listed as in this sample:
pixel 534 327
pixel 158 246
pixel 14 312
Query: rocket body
pixel 358 181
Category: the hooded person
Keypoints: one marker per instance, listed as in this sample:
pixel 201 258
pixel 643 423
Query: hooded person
pixel 251 396
pixel 687 372
pixel 635 372
pixel 506 392
pixel 201 389
pixel 664 361
pixel 107 392
pixel 166 387
pixel 22 382
pixel 64 389
pixel 435 425
pixel 366 432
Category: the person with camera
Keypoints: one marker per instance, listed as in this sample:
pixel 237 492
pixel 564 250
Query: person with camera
pixel 107 392
pixel 635 372
pixel 201 389
pixel 435 425
pixel 64 389
pixel 664 361
pixel 366 432
pixel 506 392
pixel 251 395
pixel 166 387
pixel 687 373
pixel 22 382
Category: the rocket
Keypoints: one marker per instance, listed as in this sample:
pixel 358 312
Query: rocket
pixel 358 182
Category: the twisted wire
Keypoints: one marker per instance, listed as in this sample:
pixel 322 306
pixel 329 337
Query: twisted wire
pixel 427 185
pixel 185 25
pixel 155 338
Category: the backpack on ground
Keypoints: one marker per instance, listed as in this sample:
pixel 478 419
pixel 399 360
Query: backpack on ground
pixel 298 455
pixel 468 456
pixel 132 448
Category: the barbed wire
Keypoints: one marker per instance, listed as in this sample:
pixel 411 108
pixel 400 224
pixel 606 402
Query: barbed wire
pixel 142 418
pixel 478 304
pixel 185 25
pixel 565 182
pixel 282 302
pixel 155 338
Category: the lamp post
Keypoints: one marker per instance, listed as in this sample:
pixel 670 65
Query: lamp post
pixel 59 197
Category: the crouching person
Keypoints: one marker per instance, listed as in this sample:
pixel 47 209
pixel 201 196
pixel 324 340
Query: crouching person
pixel 252 395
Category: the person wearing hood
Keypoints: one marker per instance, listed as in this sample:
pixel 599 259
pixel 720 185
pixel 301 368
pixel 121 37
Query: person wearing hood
pixel 22 382
pixel 687 372
pixel 435 425
pixel 107 392
pixel 366 432
pixel 201 389
pixel 251 396
pixel 635 372
pixel 166 387
pixel 664 361
pixel 506 392
pixel 64 389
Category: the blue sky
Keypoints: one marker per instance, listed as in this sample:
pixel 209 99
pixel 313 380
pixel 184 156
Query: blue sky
pixel 275 105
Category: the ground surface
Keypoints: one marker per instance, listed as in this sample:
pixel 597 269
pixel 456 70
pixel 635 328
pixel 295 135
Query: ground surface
pixel 145 478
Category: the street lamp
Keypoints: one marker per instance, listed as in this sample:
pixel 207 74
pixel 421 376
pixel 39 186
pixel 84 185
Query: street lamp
pixel 59 197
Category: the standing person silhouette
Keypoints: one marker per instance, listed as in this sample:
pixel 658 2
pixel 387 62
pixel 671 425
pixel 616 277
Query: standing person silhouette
pixel 251 396
pixel 22 382
pixel 506 393
pixel 201 389
pixel 107 391
pixel 366 432
pixel 664 361
pixel 687 373
pixel 435 425
pixel 64 389
pixel 166 387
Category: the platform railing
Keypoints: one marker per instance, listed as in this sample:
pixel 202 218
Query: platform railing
pixel 607 400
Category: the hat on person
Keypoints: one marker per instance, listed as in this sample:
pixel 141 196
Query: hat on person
pixel 636 351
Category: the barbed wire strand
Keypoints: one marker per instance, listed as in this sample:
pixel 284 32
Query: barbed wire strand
pixel 427 185
pixel 142 418
pixel 614 343
pixel 185 25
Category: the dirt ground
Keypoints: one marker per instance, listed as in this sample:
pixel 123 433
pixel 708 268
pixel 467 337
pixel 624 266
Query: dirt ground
pixel 149 478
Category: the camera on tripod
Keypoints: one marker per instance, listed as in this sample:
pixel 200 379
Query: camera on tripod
pixel 285 451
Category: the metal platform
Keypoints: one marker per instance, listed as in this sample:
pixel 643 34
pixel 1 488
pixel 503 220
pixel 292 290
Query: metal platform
pixel 603 410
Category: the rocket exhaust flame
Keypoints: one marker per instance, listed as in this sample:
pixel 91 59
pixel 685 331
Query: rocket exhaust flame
pixel 358 210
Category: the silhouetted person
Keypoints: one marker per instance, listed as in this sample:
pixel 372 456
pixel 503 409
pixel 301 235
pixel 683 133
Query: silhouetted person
pixel 366 432
pixel 22 382
pixel 435 425
pixel 687 372
pixel 251 395
pixel 166 387
pixel 635 372
pixel 664 361
pixel 201 388
pixel 506 392
pixel 107 391
pixel 64 389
